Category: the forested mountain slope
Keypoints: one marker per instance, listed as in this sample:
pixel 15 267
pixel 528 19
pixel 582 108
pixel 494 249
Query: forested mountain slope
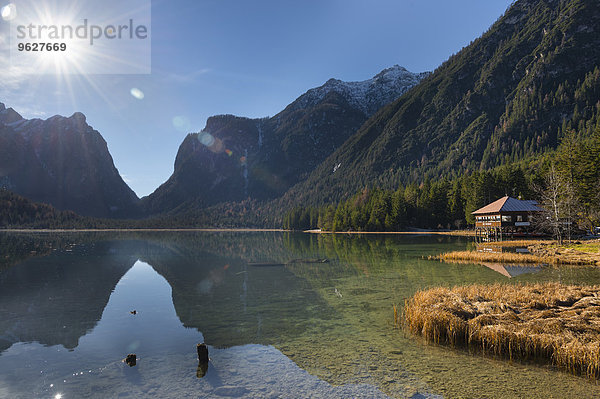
pixel 509 95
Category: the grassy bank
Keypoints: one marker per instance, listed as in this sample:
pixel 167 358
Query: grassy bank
pixel 507 257
pixel 570 253
pixel 547 252
pixel 495 257
pixel 519 243
pixel 457 233
pixel 542 322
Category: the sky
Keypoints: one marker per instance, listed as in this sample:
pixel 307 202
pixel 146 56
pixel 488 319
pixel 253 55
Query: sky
pixel 247 58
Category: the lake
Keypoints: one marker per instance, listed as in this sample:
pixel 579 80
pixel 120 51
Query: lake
pixel 283 314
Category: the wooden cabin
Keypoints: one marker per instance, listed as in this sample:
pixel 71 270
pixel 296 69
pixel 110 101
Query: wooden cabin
pixel 505 217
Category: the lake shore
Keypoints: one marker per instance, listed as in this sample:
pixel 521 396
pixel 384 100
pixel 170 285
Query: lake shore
pixel 548 322
pixel 215 230
pixel 544 252
pixel 461 233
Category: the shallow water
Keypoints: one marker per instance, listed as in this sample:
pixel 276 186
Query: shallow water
pixel 299 330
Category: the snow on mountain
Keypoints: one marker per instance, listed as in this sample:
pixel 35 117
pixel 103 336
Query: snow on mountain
pixel 368 95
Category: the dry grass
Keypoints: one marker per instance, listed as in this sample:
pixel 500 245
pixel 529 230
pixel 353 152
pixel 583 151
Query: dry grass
pixel 541 251
pixel 519 243
pixel 496 257
pixel 575 253
pixel 590 247
pixel 508 257
pixel 543 322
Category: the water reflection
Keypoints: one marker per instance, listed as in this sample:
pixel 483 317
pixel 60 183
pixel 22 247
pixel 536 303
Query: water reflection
pixel 165 355
pixel 323 328
pixel 58 299
pixel 512 270
pixel 502 249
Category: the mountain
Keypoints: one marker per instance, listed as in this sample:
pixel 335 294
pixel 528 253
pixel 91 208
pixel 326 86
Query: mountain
pixel 369 95
pixel 511 94
pixel 63 162
pixel 235 158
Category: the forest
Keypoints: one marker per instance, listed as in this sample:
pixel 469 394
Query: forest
pixel 447 204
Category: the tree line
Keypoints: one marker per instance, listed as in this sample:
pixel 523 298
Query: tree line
pixel 447 204
pixel 565 181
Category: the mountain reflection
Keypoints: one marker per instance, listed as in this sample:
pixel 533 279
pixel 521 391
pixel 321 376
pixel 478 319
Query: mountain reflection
pixel 56 297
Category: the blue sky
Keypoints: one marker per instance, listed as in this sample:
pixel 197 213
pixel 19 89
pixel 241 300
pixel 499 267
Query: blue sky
pixel 248 58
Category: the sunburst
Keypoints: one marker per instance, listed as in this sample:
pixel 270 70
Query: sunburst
pixel 74 67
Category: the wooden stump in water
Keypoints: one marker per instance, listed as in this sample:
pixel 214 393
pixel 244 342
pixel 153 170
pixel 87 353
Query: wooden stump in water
pixel 202 353
pixel 201 370
pixel 202 350
pixel 131 360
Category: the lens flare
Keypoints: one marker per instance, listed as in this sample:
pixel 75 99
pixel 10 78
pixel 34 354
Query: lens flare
pixel 229 152
pixel 182 124
pixel 9 12
pixel 137 93
pixel 212 143
pixel 206 139
pixel 133 346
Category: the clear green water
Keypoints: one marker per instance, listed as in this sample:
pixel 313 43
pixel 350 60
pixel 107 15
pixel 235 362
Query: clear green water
pixel 299 330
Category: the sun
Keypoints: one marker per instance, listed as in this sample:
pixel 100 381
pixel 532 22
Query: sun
pixel 81 40
pixel 47 55
pixel 70 61
pixel 80 37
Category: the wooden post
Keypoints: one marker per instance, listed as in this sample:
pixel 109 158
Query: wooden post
pixel 202 350
pixel 201 370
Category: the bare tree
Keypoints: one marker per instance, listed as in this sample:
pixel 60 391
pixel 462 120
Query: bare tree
pixel 557 200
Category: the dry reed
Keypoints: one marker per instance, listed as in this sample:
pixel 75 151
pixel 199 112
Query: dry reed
pixel 542 322
pixel 519 243
pixel 509 257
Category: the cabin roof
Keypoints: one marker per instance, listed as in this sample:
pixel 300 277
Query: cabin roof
pixel 508 204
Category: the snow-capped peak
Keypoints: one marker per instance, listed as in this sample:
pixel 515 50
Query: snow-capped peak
pixel 368 95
